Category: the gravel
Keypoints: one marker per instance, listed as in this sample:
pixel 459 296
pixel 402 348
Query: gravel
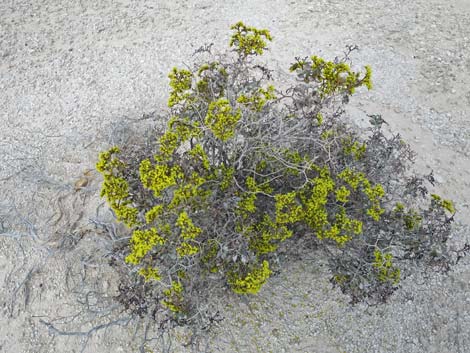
pixel 76 77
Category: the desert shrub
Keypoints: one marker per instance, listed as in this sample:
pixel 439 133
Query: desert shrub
pixel 245 168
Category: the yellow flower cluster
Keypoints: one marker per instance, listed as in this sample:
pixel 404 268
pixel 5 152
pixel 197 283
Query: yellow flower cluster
pixel 211 84
pixel 333 77
pixel 186 249
pixel 342 229
pixel 174 295
pixel 190 191
pixel 288 211
pixel 150 273
pixel 374 193
pixel 315 200
pixel 155 212
pixel 258 100
pixel 198 153
pixel 252 282
pixel 180 82
pixel 342 194
pixel 249 40
pixel 356 149
pixel 385 269
pixel 142 242
pixel 158 177
pixel 221 120
pixel 115 188
pixel 188 229
pixel 265 236
pixel 446 204
pixel 226 174
pixel 247 205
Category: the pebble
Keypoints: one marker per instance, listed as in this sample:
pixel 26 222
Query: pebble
pixel 439 179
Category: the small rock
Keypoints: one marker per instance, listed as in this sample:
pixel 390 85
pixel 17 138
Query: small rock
pixel 81 183
pixel 439 179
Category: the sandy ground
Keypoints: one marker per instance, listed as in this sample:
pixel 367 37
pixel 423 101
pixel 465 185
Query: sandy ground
pixel 75 77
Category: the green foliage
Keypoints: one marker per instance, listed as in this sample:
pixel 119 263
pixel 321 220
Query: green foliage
pixel 220 119
pixel 331 77
pixel 354 148
pixel 445 204
pixel 258 100
pixel 384 267
pixel 249 40
pixel 150 273
pixel 174 297
pixel 115 188
pixel 243 170
pixel 180 82
pixel 142 242
pixel 251 282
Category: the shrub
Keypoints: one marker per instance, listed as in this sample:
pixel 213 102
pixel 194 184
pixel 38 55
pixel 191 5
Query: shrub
pixel 244 169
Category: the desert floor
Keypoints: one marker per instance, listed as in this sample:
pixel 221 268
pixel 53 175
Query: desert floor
pixel 78 76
